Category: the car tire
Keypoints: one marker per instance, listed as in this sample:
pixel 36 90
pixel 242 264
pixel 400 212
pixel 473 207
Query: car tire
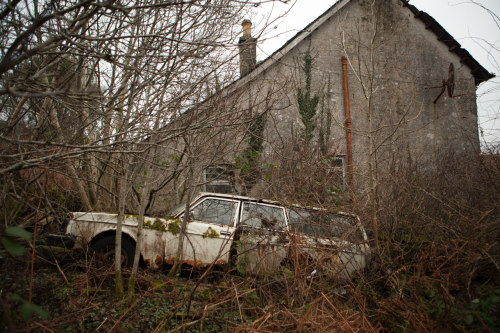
pixel 106 247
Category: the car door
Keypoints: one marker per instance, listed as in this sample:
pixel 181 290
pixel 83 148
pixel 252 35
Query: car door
pixel 261 238
pixel 210 231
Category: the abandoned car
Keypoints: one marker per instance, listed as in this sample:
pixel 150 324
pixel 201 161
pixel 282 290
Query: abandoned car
pixel 256 236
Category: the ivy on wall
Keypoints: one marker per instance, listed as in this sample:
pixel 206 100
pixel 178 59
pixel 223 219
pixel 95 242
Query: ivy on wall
pixel 248 161
pixel 325 128
pixel 307 103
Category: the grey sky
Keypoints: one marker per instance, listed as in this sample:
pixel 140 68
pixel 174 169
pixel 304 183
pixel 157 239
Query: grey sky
pixel 472 26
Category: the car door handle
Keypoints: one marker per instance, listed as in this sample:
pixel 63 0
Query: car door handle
pixel 225 233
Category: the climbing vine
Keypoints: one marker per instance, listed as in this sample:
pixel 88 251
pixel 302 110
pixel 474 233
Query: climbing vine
pixel 325 120
pixel 307 104
pixel 248 161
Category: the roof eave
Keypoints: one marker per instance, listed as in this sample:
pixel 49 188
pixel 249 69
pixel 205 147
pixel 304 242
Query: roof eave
pixel 479 72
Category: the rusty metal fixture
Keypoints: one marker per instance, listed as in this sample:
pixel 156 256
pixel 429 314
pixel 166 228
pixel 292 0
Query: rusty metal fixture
pixel 448 84
pixel 348 124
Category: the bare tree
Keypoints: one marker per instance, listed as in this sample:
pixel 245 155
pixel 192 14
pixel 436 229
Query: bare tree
pixel 88 89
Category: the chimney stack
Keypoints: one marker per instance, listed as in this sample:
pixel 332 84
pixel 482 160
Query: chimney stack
pixel 248 49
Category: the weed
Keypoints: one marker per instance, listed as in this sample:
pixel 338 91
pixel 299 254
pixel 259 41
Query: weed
pixel 174 226
pixel 157 225
pixel 210 233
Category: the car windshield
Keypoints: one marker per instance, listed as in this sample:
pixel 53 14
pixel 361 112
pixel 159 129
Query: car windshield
pixel 177 209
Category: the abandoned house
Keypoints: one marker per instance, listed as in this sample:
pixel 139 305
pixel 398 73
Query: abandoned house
pixel 366 87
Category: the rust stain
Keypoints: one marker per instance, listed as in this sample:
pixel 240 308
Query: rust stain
pixel 193 263
pixel 170 261
pixel 158 261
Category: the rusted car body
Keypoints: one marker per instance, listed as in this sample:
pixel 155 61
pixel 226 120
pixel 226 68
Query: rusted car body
pixel 257 236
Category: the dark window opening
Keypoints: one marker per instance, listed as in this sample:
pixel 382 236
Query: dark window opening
pixel 336 172
pixel 219 179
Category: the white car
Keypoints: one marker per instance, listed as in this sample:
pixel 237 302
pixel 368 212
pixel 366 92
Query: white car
pixel 256 236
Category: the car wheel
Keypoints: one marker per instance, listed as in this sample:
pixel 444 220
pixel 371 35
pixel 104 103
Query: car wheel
pixel 106 247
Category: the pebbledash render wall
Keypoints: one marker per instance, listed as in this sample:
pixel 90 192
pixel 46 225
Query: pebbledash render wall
pixel 395 62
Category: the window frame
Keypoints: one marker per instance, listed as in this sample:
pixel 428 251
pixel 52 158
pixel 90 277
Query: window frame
pixel 353 226
pixel 226 178
pixel 334 168
pixel 283 211
pixel 235 217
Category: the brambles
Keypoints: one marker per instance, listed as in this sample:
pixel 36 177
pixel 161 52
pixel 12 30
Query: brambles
pixel 439 232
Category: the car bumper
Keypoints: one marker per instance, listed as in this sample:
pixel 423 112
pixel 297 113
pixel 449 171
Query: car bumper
pixel 66 241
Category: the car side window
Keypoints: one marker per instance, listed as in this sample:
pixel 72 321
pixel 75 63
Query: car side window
pixel 215 211
pixel 299 221
pixel 263 216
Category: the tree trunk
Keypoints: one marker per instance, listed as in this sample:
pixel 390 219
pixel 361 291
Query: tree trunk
pixel 118 239
pixel 185 220
pixel 140 222
pixel 54 121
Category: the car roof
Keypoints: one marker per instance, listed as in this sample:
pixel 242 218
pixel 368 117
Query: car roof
pixel 265 201
pixel 238 197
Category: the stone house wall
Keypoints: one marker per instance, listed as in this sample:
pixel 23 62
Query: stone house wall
pixel 394 61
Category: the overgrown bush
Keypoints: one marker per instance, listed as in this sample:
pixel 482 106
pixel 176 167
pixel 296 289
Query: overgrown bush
pixel 439 236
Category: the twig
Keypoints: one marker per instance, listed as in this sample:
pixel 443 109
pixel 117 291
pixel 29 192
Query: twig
pixel 491 258
pixel 55 263
pixel 338 312
pixel 266 317
pixel 123 315
pixel 104 321
pixel 237 300
pixel 299 326
pixel 32 270
pixel 207 308
pixel 43 326
pixel 306 314
pixel 451 257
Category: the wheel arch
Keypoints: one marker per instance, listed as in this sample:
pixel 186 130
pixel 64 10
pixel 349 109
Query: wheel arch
pixel 112 233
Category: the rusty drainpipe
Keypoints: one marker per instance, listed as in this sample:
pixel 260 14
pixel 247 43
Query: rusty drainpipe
pixel 348 124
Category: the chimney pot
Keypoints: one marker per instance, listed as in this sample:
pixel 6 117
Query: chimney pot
pixel 247 28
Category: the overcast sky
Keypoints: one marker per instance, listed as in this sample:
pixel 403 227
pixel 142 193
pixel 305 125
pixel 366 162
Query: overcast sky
pixel 475 28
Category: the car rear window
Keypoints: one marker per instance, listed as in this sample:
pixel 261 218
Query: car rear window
pixel 319 223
